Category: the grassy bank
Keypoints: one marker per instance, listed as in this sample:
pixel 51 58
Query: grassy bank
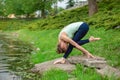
pixel 45 42
pixel 42 33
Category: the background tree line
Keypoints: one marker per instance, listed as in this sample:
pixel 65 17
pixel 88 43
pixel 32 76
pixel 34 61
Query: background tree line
pixel 21 7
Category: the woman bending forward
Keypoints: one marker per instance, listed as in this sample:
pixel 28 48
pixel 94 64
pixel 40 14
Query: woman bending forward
pixel 70 37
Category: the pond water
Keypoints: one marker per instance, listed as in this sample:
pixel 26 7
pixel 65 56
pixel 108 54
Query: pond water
pixel 10 52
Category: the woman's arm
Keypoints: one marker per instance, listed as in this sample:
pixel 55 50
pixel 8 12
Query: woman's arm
pixel 67 39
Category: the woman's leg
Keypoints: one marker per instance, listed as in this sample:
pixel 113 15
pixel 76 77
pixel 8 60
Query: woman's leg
pixel 91 39
pixel 77 37
pixel 82 42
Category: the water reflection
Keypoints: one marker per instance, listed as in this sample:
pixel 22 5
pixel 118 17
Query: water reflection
pixel 10 52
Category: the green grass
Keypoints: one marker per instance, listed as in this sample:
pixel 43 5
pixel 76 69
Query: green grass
pixel 55 74
pixel 83 73
pixel 46 40
pixel 42 33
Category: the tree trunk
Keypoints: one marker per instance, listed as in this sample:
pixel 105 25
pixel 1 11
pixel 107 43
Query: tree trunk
pixel 27 15
pixel 55 7
pixel 92 7
pixel 43 10
pixel 43 13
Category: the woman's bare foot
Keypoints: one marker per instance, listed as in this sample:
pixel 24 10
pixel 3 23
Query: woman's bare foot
pixel 91 39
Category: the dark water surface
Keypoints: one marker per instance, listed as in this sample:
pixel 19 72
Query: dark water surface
pixel 11 50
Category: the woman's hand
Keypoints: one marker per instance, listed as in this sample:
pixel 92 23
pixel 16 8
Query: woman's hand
pixel 89 55
pixel 60 61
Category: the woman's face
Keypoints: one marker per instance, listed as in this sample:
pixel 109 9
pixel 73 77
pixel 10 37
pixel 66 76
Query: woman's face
pixel 64 45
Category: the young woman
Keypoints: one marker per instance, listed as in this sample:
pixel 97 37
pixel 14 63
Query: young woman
pixel 70 36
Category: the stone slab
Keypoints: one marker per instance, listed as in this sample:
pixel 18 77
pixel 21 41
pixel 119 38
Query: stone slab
pixel 98 62
pixel 109 71
pixel 45 66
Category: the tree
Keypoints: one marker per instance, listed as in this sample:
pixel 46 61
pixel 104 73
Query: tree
pixel 44 5
pixel 54 2
pixel 47 5
pixel 20 7
pixel 70 3
pixel 13 6
pixel 28 7
pixel 92 7
pixel 1 7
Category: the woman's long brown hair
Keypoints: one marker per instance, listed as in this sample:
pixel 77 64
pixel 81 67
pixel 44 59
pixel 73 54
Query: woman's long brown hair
pixel 59 49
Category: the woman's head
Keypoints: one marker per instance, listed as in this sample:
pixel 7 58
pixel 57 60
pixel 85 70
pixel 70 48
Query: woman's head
pixel 62 47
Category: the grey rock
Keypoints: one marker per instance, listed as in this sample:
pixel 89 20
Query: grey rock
pixel 45 66
pixel 98 62
pixel 109 71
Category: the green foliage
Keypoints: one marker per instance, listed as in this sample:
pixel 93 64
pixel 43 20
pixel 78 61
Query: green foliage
pixel 107 17
pixel 60 20
pixel 21 7
pixel 1 7
pixel 28 6
pixel 13 6
pixel 13 24
pixel 110 20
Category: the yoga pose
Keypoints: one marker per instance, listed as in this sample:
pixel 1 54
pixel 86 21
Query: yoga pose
pixel 70 37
